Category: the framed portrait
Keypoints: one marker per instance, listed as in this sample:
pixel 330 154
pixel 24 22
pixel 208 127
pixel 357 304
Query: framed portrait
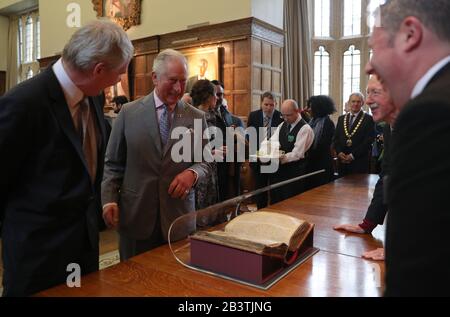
pixel 203 63
pixel 126 13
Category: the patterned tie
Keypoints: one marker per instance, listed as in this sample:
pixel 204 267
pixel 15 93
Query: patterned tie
pixel 164 125
pixel 266 124
pixel 88 135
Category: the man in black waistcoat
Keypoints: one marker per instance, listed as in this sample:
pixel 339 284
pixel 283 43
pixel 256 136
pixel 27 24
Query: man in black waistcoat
pixel 295 137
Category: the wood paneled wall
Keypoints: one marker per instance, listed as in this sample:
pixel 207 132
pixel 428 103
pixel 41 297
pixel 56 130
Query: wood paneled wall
pixel 2 82
pixel 250 60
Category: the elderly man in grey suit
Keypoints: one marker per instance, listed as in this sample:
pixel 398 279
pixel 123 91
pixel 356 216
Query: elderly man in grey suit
pixel 144 189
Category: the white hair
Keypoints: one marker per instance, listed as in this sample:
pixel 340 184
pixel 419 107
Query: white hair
pixel 98 42
pixel 160 62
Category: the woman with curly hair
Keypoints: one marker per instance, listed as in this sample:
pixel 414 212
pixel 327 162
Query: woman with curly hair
pixel 204 98
pixel 320 153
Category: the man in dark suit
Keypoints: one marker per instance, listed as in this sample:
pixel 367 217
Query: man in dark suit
pixel 52 140
pixel 228 173
pixel 265 121
pixel 355 132
pixel 383 110
pixel 411 55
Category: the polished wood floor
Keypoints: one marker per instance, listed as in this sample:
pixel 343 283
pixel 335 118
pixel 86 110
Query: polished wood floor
pixel 109 243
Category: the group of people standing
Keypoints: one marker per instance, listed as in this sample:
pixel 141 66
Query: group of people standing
pixel 60 172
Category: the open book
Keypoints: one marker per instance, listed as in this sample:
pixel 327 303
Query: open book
pixel 266 233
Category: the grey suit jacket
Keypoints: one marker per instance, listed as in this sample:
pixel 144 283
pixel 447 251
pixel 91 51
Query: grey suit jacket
pixel 138 171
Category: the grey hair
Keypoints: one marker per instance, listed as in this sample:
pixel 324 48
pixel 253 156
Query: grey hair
pixel 160 62
pixel 98 42
pixel 434 14
pixel 357 93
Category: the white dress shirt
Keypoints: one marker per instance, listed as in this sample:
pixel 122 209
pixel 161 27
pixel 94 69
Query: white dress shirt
pixel 72 93
pixel 423 82
pixel 303 142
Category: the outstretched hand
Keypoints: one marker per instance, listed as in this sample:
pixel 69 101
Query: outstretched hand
pixel 377 255
pixel 350 228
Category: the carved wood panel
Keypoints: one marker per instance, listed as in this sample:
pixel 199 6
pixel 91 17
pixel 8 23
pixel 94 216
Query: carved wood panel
pixel 2 82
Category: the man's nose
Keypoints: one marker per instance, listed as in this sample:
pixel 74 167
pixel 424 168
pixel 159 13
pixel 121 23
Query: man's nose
pixel 369 68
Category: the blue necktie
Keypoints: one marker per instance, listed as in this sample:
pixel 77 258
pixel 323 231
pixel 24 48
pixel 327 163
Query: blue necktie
pixel 164 125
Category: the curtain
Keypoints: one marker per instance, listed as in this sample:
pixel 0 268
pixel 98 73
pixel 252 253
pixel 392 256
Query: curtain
pixel 12 66
pixel 298 61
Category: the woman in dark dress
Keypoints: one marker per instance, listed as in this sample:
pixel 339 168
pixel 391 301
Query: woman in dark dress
pixel 320 156
pixel 204 98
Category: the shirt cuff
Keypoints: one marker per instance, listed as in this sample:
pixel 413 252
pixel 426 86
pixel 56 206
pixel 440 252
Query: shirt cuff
pixel 367 226
pixel 109 204
pixel 196 176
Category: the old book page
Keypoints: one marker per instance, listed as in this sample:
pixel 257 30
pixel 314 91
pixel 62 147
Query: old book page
pixel 262 232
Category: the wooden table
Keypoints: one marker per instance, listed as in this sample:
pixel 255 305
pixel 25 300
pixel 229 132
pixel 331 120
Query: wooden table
pixel 336 270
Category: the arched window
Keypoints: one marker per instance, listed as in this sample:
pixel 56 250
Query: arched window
pixel 321 72
pixel 352 70
pixel 29 39
pixel 352 17
pixel 29 48
pixel 322 18
pixel 29 73
pixel 345 49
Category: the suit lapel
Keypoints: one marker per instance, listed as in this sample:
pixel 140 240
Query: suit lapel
pixel 150 120
pixel 99 117
pixel 179 120
pixel 261 118
pixel 63 116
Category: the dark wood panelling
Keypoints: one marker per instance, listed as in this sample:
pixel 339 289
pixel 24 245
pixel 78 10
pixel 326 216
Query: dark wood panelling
pixel 257 79
pixel 266 80
pixel 2 82
pixel 256 51
pixel 251 60
pixel 266 54
pixel 276 56
pixel 266 70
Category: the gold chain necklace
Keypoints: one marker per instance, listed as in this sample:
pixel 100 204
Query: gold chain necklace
pixel 346 128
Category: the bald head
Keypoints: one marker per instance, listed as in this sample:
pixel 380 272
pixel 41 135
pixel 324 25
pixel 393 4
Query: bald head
pixel 289 111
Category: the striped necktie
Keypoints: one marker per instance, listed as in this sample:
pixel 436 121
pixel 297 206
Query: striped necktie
pixel 164 125
pixel 266 123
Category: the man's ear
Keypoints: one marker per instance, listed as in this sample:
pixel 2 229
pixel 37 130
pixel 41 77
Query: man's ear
pixel 99 68
pixel 154 78
pixel 411 34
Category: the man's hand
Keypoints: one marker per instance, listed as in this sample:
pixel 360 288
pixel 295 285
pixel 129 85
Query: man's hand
pixel 182 184
pixel 220 152
pixel 111 216
pixel 342 157
pixel 377 255
pixel 349 228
